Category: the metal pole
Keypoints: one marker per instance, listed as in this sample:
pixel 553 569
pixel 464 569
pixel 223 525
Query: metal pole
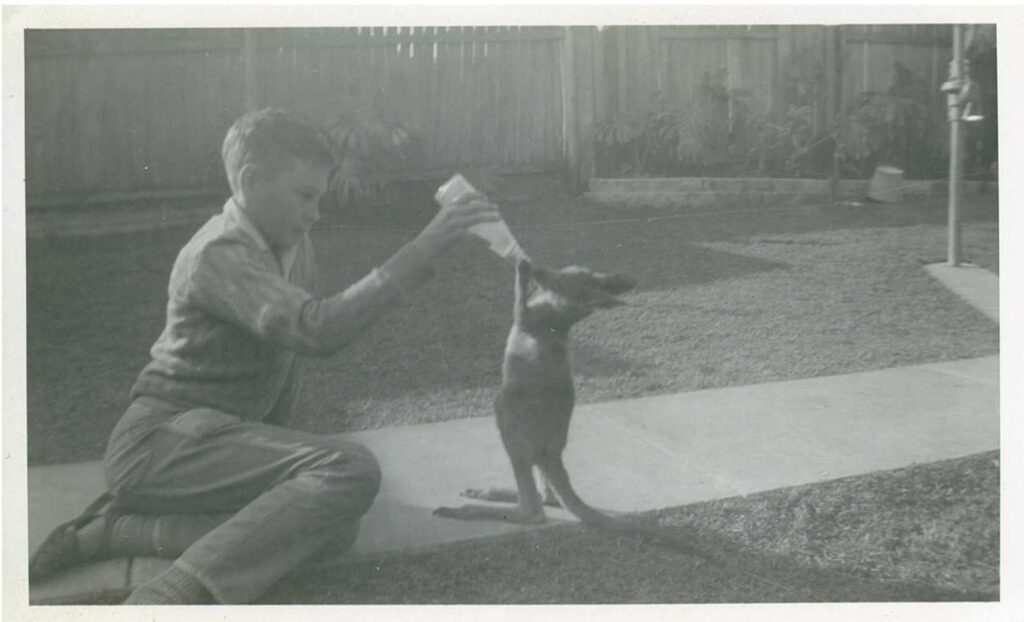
pixel 956 71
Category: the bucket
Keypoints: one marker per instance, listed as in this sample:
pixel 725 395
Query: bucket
pixel 887 185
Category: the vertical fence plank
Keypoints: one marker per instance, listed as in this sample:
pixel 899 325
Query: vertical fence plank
pixel 585 88
pixel 477 111
pixel 249 69
pixel 555 111
pixel 447 71
pixel 503 112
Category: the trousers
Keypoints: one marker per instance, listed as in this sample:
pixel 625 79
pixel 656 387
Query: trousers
pixel 240 503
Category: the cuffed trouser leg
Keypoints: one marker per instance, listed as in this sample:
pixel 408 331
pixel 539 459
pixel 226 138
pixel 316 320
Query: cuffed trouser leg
pixel 292 494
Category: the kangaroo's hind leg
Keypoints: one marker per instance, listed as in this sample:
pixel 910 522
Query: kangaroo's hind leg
pixel 511 495
pixel 530 509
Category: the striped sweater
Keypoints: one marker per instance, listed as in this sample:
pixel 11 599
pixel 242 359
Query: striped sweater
pixel 237 316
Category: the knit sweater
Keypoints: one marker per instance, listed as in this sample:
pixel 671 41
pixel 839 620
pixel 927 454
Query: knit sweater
pixel 238 315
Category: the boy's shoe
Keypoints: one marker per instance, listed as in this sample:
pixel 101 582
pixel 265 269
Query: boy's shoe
pixel 61 548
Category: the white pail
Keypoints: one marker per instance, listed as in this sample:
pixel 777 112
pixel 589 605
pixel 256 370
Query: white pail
pixel 887 184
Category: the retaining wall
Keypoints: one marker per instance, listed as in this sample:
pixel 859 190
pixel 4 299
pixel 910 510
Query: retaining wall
pixel 751 192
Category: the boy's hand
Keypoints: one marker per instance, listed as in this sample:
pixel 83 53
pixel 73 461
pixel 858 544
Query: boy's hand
pixel 453 219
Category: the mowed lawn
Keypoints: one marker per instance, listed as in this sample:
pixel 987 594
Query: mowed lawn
pixel 725 298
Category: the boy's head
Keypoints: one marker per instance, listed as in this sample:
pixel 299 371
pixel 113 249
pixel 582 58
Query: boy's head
pixel 278 168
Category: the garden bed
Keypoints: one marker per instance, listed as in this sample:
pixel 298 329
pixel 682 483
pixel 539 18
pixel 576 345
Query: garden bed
pixel 698 192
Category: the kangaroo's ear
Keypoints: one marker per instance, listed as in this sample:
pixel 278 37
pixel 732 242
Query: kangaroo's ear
pixel 615 284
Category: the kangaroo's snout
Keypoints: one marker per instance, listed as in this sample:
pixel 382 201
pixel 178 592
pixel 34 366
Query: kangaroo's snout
pixel 563 297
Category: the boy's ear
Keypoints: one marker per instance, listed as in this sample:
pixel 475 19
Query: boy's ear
pixel 249 177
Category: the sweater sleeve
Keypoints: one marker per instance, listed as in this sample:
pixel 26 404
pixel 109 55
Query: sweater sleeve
pixel 236 282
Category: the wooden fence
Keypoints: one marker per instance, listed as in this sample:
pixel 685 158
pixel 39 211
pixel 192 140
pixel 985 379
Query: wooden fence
pixel 477 96
pixel 118 114
pixel 142 112
pixel 111 113
pixel 766 60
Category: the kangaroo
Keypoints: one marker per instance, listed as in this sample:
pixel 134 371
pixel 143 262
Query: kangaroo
pixel 537 398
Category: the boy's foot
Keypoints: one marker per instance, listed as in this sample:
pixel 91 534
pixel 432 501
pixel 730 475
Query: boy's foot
pixel 78 540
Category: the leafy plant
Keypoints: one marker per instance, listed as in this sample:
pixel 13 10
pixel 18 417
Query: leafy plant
pixel 982 139
pixel 670 140
pixel 619 135
pixel 897 127
pixel 780 148
pixel 367 148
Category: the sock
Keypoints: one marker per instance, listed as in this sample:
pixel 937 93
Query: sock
pixel 171 587
pixel 143 535
pixel 90 539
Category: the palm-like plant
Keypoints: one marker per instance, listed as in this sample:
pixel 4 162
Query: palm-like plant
pixel 887 127
pixel 618 135
pixel 366 149
pixel 670 139
pixel 785 143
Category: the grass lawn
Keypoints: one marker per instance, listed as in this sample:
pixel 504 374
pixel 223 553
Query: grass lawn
pixel 725 298
pixel 923 533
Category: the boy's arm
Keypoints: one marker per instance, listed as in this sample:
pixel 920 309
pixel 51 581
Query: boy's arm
pixel 231 280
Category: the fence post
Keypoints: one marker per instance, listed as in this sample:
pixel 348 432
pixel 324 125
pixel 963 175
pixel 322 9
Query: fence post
pixel 834 96
pixel 578 105
pixel 568 105
pixel 586 100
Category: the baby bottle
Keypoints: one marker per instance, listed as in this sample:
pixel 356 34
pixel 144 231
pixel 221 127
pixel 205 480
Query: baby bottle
pixel 496 234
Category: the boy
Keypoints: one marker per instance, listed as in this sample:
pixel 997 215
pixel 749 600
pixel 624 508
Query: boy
pixel 199 468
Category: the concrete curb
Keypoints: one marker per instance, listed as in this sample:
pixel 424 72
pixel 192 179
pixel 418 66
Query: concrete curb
pixel 71 223
pixel 750 192
pixel 977 286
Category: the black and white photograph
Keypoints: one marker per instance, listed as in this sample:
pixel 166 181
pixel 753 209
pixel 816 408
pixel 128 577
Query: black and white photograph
pixel 521 306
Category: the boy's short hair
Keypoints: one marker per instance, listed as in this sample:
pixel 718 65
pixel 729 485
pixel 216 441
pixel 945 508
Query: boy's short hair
pixel 266 138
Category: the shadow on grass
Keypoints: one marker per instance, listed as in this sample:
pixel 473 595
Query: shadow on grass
pixel 923 533
pixel 573 565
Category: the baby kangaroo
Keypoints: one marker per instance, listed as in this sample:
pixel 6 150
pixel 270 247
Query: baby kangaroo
pixel 537 397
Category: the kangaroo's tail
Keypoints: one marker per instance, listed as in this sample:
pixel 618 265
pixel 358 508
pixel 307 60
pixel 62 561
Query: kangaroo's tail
pixel 558 477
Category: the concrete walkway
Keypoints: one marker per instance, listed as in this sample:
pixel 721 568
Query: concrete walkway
pixel 628 455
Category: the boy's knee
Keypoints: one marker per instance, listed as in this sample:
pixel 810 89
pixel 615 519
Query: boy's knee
pixel 368 470
pixel 351 478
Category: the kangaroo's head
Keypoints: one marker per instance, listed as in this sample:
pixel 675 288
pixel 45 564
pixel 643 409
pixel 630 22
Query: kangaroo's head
pixel 558 299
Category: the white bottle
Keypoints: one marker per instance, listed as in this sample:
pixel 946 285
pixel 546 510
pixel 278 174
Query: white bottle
pixel 496 234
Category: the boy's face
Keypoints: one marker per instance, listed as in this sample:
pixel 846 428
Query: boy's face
pixel 284 204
